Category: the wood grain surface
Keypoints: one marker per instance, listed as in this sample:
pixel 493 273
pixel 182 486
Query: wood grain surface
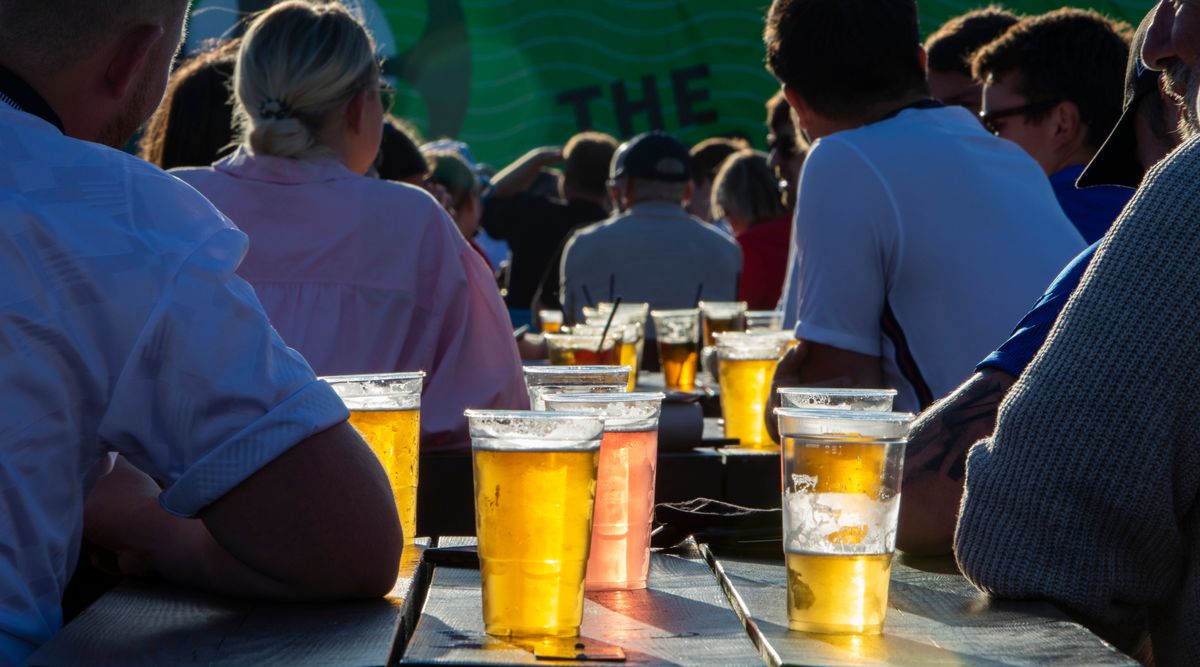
pixel 935 617
pixel 683 618
pixel 147 623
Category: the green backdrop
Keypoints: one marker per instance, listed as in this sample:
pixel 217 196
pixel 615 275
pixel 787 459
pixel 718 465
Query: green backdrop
pixel 508 75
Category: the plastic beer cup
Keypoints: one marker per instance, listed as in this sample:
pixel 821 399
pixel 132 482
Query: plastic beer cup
pixel 620 555
pixel 721 316
pixel 386 410
pixel 552 320
pixel 678 333
pixel 582 349
pixel 879 400
pixel 535 485
pixel 746 366
pixel 764 320
pixel 543 380
pixel 841 500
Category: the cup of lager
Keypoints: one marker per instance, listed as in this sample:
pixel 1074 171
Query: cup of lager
pixel 535 485
pixel 620 555
pixel 746 365
pixel 678 333
pixel 841 501
pixel 721 316
pixel 543 380
pixel 570 349
pixel 386 410
pixel 879 400
pixel 552 320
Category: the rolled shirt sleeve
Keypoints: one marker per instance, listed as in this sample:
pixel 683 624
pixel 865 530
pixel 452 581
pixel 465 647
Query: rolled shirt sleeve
pixel 210 393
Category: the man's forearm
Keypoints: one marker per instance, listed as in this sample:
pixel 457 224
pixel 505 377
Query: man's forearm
pixel 935 460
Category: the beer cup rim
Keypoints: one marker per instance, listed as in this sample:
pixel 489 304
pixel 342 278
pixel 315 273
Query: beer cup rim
pixel 556 374
pixel 577 431
pixel 800 422
pixel 839 392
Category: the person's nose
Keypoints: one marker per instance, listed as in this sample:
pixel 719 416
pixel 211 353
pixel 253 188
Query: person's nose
pixel 1157 50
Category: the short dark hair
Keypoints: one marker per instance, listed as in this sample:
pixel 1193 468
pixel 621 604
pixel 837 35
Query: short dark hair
pixel 843 56
pixel 1072 55
pixel 400 157
pixel 588 155
pixel 950 48
pixel 193 127
pixel 779 110
pixel 708 155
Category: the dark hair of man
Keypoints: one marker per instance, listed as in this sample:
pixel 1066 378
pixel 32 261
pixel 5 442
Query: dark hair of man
pixel 778 111
pixel 710 154
pixel 400 157
pixel 193 127
pixel 950 48
pixel 1068 54
pixel 844 57
pixel 588 155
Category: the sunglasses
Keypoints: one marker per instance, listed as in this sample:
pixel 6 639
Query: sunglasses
pixel 989 118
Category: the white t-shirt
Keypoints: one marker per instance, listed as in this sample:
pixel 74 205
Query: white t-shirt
pixel 123 328
pixel 922 239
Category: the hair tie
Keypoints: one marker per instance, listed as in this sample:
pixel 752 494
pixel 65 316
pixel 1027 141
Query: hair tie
pixel 273 108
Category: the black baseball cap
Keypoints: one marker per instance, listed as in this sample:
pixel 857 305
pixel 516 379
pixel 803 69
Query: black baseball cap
pixel 1117 163
pixel 653 156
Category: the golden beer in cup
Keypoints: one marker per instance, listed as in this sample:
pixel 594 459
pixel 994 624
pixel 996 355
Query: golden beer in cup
pixel 535 485
pixel 678 333
pixel 746 364
pixel 720 317
pixel 386 411
pixel 841 501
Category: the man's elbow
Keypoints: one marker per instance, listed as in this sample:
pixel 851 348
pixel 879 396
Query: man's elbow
pixel 362 566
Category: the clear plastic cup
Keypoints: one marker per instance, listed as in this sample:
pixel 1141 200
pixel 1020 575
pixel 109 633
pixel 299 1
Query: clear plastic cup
pixel 764 320
pixel 721 316
pixel 386 410
pixel 552 320
pixel 678 334
pixel 878 400
pixel 746 365
pixel 535 486
pixel 620 554
pixel 543 380
pixel 570 349
pixel 841 501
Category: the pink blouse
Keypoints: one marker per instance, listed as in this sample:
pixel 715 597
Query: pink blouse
pixel 367 276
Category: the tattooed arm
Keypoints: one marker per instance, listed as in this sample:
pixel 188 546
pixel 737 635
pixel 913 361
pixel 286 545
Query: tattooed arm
pixel 934 463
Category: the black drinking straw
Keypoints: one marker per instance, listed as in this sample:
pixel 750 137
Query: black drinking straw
pixel 699 293
pixel 604 334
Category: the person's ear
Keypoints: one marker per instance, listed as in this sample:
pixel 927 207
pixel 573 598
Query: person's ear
pixel 1067 124
pixel 356 111
pixel 689 191
pixel 130 56
pixel 803 112
pixel 923 58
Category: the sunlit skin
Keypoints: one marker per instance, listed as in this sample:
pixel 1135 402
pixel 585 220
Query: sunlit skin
pixel 955 89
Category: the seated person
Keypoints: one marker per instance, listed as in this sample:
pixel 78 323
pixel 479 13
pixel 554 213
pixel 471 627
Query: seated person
pixel 400 157
pixel 193 127
pixel 937 449
pixel 125 330
pixel 707 158
pixel 535 226
pixel 747 195
pixel 1052 84
pixel 905 279
pixel 358 274
pixel 452 172
pixel 653 252
pixel 948 54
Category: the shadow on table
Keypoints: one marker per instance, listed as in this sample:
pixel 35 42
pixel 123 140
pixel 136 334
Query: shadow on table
pixel 675 615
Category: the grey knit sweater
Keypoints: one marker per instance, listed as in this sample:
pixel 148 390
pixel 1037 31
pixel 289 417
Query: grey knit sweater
pixel 1086 493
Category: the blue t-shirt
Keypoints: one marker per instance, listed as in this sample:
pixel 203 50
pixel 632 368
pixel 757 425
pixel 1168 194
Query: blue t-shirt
pixel 1093 209
pixel 1033 329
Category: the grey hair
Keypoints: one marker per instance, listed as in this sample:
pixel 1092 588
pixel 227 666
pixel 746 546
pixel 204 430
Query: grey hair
pixel 299 62
pixel 746 187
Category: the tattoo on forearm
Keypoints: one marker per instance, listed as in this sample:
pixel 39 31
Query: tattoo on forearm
pixel 942 436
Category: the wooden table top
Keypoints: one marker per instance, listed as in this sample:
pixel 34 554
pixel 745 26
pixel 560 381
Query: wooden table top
pixel 935 617
pixel 700 609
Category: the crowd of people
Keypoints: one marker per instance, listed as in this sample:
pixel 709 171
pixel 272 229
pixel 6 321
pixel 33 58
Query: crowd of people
pixel 998 223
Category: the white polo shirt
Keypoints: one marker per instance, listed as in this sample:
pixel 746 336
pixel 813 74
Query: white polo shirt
pixel 922 239
pixel 123 328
